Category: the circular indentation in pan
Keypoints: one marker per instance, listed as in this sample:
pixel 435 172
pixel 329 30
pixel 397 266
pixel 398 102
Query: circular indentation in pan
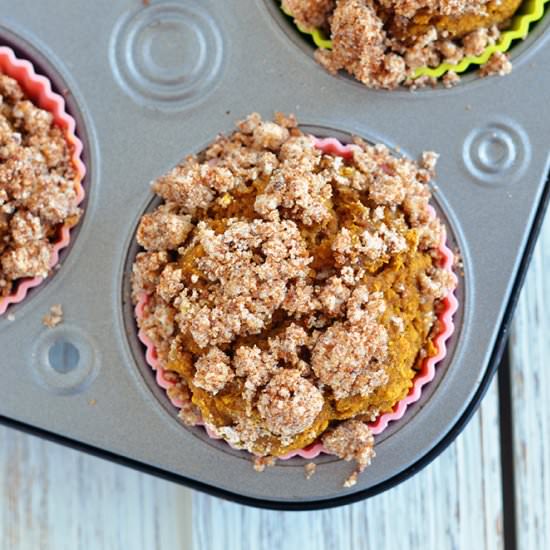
pixel 497 153
pixel 64 360
pixel 167 55
pixel 46 87
pixel 138 350
pixel 523 38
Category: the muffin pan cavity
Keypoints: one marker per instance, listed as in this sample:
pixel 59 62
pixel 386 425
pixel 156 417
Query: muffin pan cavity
pixel 148 84
pixel 153 383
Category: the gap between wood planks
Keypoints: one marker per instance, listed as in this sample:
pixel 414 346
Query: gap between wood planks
pixel 507 451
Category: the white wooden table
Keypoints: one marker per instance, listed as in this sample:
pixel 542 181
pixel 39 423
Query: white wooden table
pixel 489 490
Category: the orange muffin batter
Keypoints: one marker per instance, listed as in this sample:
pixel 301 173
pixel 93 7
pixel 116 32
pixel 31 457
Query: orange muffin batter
pixel 290 290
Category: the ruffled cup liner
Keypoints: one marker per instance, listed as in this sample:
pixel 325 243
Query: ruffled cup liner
pixel 38 89
pixel 528 13
pixel 425 374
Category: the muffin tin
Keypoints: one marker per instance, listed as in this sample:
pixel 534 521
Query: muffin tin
pixel 149 83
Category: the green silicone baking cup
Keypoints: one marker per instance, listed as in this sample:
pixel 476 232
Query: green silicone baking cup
pixel 529 12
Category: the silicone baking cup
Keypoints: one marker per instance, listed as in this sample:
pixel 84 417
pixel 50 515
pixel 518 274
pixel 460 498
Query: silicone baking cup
pixel 38 89
pixel 529 12
pixel 426 371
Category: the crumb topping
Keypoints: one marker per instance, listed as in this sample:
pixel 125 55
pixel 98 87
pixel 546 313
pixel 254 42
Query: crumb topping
pixel 382 42
pixel 498 64
pixel 163 229
pixel 37 187
pixel 213 371
pixel 289 403
pixel 310 13
pixel 349 356
pixel 255 367
pixel 264 255
pixel 351 440
pixel 301 293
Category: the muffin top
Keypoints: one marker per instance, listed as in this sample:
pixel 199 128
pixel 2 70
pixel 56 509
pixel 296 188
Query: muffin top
pixel 383 42
pixel 37 186
pixel 288 288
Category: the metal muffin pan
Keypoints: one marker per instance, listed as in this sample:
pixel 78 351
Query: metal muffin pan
pixel 150 84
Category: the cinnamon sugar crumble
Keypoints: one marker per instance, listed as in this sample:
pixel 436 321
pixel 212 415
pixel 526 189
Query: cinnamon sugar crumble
pixel 289 403
pixel 263 462
pixel 37 187
pixel 54 317
pixel 349 356
pixel 269 275
pixel 213 371
pixel 382 42
pixel 351 440
pixel 498 64
pixel 310 13
pixel 450 79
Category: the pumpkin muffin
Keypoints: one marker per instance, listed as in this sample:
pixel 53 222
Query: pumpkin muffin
pixel 383 42
pixel 38 187
pixel 291 294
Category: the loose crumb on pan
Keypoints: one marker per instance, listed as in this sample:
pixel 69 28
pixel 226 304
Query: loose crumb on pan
pixel 263 462
pixel 383 42
pixel 37 187
pixel 309 470
pixel 54 317
pixel 292 282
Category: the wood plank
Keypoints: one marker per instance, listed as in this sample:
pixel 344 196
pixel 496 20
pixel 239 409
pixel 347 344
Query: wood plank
pixel 530 356
pixel 54 498
pixel 453 503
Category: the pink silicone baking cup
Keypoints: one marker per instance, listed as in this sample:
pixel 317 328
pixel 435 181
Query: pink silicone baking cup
pixel 38 89
pixel 425 374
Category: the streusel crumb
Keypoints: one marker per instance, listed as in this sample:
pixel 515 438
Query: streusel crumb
pixel 54 317
pixel 351 440
pixel 289 403
pixel 450 79
pixel 311 13
pixel 38 187
pixel 498 64
pixel 263 462
pixel 310 469
pixel 294 291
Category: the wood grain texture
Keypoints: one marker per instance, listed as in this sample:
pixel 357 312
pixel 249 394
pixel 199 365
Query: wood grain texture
pixel 530 362
pixel 54 498
pixel 454 503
